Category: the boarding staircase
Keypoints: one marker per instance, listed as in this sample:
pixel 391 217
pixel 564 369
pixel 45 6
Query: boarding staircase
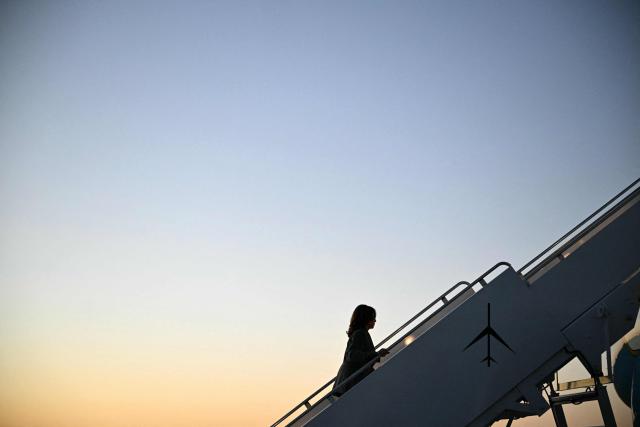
pixel 489 349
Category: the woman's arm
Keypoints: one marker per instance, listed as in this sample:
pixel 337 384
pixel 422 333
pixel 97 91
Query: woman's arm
pixel 360 348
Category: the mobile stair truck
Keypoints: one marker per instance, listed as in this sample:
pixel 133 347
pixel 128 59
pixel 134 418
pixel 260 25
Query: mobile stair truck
pixel 489 349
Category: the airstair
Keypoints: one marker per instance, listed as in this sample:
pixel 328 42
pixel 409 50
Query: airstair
pixel 489 349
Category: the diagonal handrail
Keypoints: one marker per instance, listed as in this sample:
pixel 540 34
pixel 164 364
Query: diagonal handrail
pixel 574 229
pixel 442 298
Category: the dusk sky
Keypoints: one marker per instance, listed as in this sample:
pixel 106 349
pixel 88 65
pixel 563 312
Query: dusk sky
pixel 195 195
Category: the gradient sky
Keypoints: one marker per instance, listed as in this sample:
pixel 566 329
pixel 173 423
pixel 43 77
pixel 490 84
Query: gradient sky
pixel 195 195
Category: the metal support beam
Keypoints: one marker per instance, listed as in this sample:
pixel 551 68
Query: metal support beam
pixel 556 409
pixel 605 406
pixel 558 416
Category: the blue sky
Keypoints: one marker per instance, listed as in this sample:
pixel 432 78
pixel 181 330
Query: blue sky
pixel 194 170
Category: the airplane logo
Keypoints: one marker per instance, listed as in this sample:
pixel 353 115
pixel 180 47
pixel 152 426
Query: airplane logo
pixel 489 332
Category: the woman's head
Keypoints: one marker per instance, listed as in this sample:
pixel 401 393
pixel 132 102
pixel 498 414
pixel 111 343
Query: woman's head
pixel 363 317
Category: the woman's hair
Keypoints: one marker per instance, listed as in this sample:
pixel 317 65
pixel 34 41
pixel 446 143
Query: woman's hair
pixel 360 317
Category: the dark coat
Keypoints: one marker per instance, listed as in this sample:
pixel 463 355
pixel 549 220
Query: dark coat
pixel 359 352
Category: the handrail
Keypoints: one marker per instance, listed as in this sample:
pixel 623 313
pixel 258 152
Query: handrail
pixel 442 298
pixel 421 312
pixel 305 403
pixel 541 254
pixel 373 361
pixel 480 280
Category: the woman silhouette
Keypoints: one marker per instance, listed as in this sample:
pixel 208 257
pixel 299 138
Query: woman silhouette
pixel 360 350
